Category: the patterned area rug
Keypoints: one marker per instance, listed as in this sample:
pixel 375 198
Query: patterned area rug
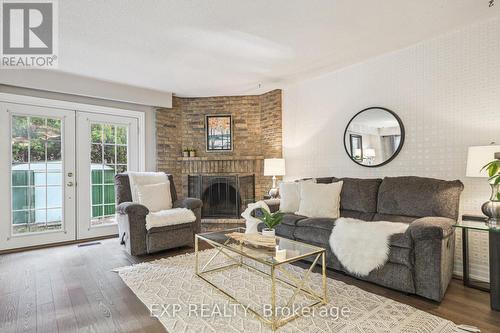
pixel 185 303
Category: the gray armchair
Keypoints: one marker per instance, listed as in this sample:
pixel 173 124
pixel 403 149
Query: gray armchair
pixel 132 222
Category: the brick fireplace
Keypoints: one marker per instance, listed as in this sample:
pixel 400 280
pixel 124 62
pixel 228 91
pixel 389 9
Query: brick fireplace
pixel 223 195
pixel 256 136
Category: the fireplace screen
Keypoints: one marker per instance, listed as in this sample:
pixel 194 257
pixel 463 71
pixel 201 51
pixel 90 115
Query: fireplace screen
pixel 223 196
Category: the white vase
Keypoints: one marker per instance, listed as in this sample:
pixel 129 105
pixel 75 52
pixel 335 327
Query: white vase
pixel 268 232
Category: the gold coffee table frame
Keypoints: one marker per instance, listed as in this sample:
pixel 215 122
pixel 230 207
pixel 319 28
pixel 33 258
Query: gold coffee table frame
pixel 236 253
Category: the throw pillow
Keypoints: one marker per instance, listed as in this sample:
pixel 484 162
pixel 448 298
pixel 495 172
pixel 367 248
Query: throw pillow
pixel 155 197
pixel 320 200
pixel 290 195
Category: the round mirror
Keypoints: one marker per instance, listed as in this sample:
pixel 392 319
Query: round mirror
pixel 374 136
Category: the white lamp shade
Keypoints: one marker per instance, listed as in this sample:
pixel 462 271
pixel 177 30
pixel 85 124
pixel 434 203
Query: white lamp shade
pixel 274 167
pixel 478 157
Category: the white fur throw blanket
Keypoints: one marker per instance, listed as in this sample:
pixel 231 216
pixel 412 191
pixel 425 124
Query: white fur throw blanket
pixel 251 222
pixel 169 217
pixel 363 246
pixel 160 218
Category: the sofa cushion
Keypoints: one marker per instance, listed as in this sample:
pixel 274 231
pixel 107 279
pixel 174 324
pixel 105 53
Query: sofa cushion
pixel 315 235
pixel 354 214
pixel 314 230
pixel 359 194
pixel 417 196
pixel 318 230
pixel 324 180
pixel 397 255
pixel 292 219
pixel 394 218
pixel 282 230
pixel 324 223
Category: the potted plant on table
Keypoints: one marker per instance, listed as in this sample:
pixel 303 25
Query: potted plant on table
pixel 192 152
pixel 185 152
pixel 491 208
pixel 271 220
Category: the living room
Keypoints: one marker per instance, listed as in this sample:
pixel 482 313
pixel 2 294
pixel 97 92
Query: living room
pixel 236 166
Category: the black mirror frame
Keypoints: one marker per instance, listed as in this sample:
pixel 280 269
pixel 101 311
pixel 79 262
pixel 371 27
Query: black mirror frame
pixel 400 122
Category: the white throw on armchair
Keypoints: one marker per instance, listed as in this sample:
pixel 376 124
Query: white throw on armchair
pixel 150 216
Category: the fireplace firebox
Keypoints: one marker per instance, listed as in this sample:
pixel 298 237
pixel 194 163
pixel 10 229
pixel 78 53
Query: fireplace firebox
pixel 223 196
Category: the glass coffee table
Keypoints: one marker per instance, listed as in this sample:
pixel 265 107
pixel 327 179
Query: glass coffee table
pixel 269 262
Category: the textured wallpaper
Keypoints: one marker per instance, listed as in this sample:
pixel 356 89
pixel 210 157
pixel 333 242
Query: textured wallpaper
pixel 447 93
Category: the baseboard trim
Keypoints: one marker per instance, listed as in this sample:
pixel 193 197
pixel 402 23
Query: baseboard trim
pixel 44 246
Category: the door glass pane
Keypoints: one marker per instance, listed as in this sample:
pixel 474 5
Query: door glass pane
pixel 108 133
pixel 109 175
pixel 96 153
pixel 121 135
pixel 108 155
pixel 54 215
pixel 54 150
pixel 96 133
pixel 121 155
pixel 36 173
pixel 53 195
pixel 54 177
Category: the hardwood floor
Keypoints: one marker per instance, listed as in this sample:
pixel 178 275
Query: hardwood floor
pixel 73 289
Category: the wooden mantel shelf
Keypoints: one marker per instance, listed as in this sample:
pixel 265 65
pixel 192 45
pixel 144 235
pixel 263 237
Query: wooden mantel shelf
pixel 220 158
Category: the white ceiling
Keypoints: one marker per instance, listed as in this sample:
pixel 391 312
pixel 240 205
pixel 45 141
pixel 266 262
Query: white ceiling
pixel 228 47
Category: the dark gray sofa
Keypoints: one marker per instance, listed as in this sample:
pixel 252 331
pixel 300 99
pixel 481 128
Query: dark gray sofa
pixel 133 233
pixel 421 259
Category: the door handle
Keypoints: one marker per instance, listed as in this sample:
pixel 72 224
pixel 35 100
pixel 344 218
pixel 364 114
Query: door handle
pixel 69 184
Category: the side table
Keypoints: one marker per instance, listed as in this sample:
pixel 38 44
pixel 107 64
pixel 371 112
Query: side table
pixel 494 251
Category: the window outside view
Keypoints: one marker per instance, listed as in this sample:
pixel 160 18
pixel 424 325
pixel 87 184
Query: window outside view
pixel 36 169
pixel 108 157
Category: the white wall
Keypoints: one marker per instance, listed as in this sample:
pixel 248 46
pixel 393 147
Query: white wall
pixel 447 93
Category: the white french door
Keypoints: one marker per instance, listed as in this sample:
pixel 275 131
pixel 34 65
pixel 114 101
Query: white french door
pixel 37 175
pixel 106 145
pixel 57 172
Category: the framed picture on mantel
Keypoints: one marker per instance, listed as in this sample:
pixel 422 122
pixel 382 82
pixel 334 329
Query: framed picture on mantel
pixel 219 133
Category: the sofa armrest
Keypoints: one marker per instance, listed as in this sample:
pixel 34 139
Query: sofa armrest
pixel 133 226
pixel 189 203
pixel 192 204
pixel 273 204
pixel 431 227
pixel 132 208
pixel 433 251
